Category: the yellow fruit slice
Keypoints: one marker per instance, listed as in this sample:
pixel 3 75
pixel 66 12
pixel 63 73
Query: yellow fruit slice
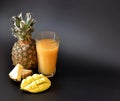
pixel 18 73
pixel 35 83
pixel 15 74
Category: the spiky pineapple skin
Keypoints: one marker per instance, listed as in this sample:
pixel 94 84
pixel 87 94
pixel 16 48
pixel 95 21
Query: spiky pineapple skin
pixel 24 53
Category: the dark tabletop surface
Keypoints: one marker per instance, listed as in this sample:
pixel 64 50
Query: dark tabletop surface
pixel 88 67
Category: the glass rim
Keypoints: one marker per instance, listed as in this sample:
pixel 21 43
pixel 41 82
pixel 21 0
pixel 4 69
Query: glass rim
pixel 55 35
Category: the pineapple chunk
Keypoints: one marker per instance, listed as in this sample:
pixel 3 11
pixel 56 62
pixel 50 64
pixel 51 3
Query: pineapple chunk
pixel 25 73
pixel 15 74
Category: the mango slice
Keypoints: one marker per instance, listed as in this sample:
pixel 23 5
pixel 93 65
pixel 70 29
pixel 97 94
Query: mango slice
pixel 35 83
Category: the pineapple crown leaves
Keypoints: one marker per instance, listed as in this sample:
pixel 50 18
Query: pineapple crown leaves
pixel 22 29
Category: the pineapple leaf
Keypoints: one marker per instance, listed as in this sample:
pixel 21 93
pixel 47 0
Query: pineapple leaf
pixel 16 21
pixel 22 29
pixel 28 17
pixel 20 16
pixel 22 24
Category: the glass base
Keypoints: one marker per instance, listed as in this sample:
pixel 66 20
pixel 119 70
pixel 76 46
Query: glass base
pixel 49 75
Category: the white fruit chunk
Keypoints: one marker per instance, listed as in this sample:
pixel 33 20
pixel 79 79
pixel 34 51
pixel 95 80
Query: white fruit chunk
pixel 15 74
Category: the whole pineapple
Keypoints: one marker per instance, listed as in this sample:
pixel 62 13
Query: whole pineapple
pixel 24 50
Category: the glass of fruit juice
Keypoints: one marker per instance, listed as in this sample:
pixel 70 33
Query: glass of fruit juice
pixel 47 45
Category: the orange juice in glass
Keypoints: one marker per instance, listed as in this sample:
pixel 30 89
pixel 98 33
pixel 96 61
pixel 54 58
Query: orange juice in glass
pixel 47 45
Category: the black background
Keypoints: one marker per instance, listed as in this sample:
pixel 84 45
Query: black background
pixel 88 67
